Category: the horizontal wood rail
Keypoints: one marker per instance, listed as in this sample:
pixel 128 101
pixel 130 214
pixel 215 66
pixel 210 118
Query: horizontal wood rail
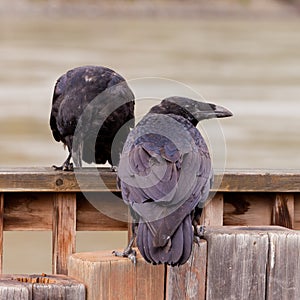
pixel 43 199
pixel 47 180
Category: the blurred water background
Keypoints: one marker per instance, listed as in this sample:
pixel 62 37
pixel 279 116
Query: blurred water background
pixel 250 63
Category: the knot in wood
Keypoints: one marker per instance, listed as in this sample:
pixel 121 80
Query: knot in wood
pixel 59 182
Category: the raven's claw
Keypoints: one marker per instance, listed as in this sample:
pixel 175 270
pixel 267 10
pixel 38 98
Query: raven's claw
pixel 114 169
pixel 129 253
pixel 65 167
pixel 200 230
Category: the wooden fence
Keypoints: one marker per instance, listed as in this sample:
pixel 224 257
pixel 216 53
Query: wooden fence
pixel 43 199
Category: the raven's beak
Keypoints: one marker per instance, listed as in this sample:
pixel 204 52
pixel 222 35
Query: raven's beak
pixel 211 111
pixel 222 112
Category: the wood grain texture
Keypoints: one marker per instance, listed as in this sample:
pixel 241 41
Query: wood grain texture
pixel 33 211
pixel 243 180
pixel 15 290
pixel 248 209
pixel 48 180
pixel 253 263
pixel 283 271
pixel 187 282
pixel 28 211
pixel 21 287
pixel 64 231
pixel 236 264
pixel 110 277
pixel 213 211
pixel 283 210
pixel 101 211
pixel 93 180
pixel 1 230
pixel 297 211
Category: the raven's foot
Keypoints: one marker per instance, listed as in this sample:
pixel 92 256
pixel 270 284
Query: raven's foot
pixel 114 169
pixel 199 231
pixel 128 252
pixel 65 167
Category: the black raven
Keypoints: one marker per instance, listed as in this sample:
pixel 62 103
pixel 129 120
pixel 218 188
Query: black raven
pixel 165 175
pixel 90 106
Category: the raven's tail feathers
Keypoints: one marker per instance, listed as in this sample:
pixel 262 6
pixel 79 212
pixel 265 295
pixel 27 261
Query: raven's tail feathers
pixel 176 252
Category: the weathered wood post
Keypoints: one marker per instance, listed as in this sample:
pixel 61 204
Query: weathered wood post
pixel 252 263
pixel 233 263
pixel 187 282
pixel 28 287
pixel 109 277
pixel 63 231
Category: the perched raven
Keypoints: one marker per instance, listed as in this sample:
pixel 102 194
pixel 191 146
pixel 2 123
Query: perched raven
pixel 90 106
pixel 165 175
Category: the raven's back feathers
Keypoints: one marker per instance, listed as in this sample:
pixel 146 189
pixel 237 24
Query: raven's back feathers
pixel 103 100
pixel 163 177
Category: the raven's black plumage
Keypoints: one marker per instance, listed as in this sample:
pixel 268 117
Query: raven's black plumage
pixel 165 175
pixel 90 105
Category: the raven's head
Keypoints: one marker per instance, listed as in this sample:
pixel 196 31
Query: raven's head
pixel 192 110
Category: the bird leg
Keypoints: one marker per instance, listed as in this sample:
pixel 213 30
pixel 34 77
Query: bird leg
pixel 66 166
pixel 198 231
pixel 128 251
pixel 198 234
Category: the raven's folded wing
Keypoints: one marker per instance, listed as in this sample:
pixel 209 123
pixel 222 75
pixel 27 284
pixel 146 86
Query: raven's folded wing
pixel 163 184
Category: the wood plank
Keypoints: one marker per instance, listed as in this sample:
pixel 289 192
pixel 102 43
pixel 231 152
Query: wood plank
pixel 297 211
pixel 149 280
pixel 15 290
pixel 236 263
pixel 212 214
pixel 1 230
pixel 64 231
pixel 48 180
pixel 102 179
pixel 253 263
pixel 28 211
pixel 109 277
pixel 284 265
pixel 283 210
pixel 91 218
pixel 242 209
pixel 22 286
pixel 33 211
pixel 187 282
pixel 259 181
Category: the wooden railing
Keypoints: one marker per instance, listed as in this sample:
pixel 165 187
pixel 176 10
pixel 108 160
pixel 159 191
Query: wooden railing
pixel 43 199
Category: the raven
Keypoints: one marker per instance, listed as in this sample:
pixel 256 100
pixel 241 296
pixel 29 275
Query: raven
pixel 91 106
pixel 165 175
